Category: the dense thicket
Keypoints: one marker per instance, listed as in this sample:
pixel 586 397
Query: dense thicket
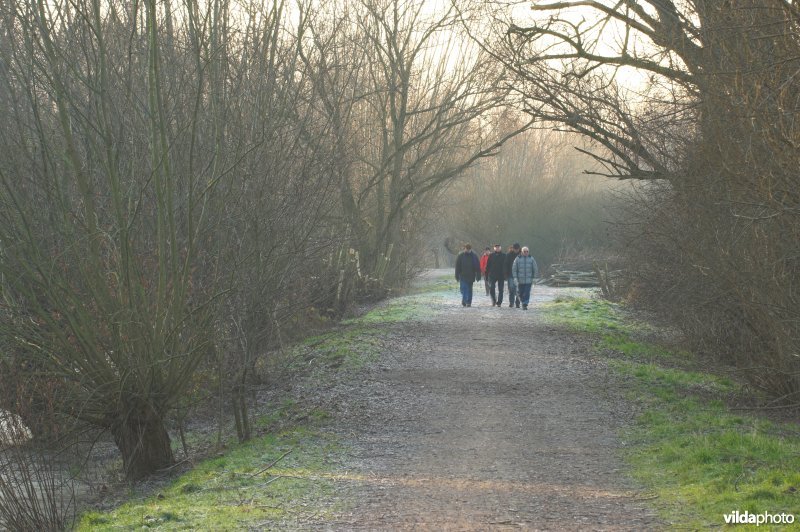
pixel 711 133
pixel 183 182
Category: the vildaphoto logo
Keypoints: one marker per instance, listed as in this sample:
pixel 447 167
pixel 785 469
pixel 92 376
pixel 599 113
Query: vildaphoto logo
pixel 765 518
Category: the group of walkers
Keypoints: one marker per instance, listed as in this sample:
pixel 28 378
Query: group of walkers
pixel 516 266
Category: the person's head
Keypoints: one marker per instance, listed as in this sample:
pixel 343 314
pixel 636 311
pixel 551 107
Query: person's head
pixel 525 250
pixel 498 248
pixel 516 246
pixel 487 250
pixel 510 248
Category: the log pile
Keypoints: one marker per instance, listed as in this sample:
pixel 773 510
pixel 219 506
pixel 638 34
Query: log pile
pixel 567 275
pixel 571 278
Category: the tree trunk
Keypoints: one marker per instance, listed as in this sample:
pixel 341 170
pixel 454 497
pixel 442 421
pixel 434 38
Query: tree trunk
pixel 143 441
pixel 240 414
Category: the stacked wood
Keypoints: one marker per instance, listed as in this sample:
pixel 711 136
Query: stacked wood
pixel 563 276
pixel 571 278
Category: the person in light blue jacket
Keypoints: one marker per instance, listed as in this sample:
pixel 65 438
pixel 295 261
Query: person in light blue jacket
pixel 524 270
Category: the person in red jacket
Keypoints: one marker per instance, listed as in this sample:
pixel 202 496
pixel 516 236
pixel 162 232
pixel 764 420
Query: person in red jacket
pixel 484 261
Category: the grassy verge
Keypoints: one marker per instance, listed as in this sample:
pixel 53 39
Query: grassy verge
pixel 440 283
pixel 357 341
pixel 237 490
pixel 286 478
pixel 700 458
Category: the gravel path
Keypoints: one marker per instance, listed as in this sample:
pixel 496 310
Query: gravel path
pixel 486 418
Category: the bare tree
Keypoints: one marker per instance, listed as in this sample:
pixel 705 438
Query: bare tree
pixel 420 95
pixel 713 128
pixel 181 182
pixel 277 222
pixel 99 286
pixel 156 162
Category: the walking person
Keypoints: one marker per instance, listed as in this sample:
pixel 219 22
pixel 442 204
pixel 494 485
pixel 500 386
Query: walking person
pixel 468 271
pixel 524 271
pixel 495 268
pixel 513 253
pixel 484 260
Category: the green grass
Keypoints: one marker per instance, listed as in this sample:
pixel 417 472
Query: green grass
pixel 411 307
pixel 349 347
pixel 584 314
pixel 235 491
pixel 702 459
pixel 698 457
pixel 617 330
pixel 357 341
pixel 441 283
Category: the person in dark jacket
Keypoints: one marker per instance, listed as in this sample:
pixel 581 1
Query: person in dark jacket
pixel 468 271
pixel 495 267
pixel 513 253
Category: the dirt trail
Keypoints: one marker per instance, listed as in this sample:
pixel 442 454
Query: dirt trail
pixel 486 418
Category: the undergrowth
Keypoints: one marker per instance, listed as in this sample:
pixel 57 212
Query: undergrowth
pixel 699 457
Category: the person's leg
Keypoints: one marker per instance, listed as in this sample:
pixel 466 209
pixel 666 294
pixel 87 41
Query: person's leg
pixel 524 294
pixel 500 284
pixel 469 294
pixel 512 292
pixel 492 292
pixel 463 285
pixel 486 284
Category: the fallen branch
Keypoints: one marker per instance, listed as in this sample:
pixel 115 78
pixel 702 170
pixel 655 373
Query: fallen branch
pixel 281 457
